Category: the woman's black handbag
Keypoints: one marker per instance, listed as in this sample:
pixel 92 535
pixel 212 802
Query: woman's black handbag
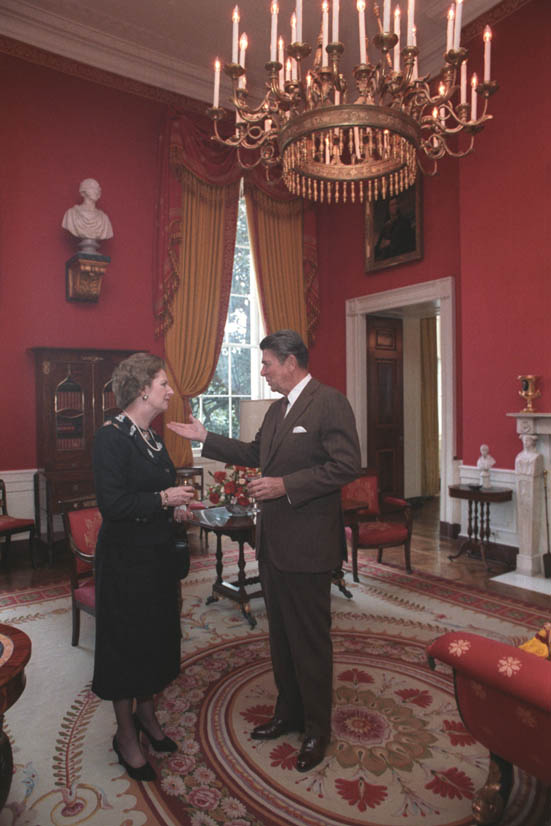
pixel 181 550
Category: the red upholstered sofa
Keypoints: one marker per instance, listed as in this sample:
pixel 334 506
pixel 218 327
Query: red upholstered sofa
pixel 504 697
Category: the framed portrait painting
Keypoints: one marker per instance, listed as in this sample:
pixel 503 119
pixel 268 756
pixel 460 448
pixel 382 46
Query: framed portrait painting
pixel 394 229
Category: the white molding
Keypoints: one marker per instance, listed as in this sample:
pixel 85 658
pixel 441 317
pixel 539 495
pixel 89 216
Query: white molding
pixel 442 292
pixel 20 492
pixel 65 37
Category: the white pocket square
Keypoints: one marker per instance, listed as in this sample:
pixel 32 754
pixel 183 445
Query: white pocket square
pixel 299 429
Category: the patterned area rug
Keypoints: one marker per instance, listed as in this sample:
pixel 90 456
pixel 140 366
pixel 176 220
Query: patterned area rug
pixel 399 753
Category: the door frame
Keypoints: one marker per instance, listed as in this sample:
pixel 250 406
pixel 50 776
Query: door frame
pixel 442 292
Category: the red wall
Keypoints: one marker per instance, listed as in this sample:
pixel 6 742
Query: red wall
pixel 60 130
pixel 487 223
pixel 506 240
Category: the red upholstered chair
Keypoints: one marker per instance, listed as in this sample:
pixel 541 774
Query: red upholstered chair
pixel 374 521
pixel 503 694
pixel 82 521
pixel 10 525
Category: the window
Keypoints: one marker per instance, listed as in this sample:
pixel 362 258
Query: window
pixel 237 374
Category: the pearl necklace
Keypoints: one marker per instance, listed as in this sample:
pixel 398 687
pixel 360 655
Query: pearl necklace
pixel 153 444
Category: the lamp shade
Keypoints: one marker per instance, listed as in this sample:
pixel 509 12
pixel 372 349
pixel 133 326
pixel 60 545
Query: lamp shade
pixel 251 416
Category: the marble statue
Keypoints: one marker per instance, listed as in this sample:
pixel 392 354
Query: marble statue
pixel 484 463
pixel 85 220
pixel 528 460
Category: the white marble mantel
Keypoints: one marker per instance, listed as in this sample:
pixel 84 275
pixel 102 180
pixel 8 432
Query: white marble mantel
pixel 531 511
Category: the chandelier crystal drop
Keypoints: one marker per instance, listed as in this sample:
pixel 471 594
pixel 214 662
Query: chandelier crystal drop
pixel 330 149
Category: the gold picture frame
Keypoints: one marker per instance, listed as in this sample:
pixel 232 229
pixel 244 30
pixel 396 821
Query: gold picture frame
pixel 394 229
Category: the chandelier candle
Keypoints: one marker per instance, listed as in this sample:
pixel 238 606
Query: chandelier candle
pixel 273 38
pixel 324 31
pixel 397 19
pixel 457 26
pixel 386 16
pixel 335 21
pixel 216 95
pixel 299 20
pixel 411 23
pixel 449 33
pixel 360 5
pixel 235 34
pixel 487 50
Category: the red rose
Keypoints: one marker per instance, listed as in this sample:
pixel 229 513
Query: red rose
pixel 230 488
pixel 214 497
pixel 220 475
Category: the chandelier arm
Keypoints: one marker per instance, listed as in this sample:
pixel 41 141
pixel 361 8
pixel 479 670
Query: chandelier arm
pixel 429 172
pixel 232 141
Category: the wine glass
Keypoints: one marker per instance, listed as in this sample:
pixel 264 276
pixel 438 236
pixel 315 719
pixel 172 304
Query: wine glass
pixel 254 473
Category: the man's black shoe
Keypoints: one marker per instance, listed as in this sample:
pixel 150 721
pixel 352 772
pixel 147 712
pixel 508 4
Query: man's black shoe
pixel 311 753
pixel 273 728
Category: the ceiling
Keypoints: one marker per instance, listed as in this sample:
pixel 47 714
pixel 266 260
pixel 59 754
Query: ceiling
pixel 172 44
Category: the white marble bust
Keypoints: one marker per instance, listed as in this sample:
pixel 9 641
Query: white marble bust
pixel 85 220
pixel 484 463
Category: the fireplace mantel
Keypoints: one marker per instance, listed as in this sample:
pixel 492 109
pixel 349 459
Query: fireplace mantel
pixel 531 489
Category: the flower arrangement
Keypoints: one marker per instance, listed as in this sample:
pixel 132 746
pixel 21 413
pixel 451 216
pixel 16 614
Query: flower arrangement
pixel 230 486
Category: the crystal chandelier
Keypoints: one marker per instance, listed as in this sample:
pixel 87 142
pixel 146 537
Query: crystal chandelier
pixel 333 150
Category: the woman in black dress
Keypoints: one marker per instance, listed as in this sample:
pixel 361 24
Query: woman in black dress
pixel 137 611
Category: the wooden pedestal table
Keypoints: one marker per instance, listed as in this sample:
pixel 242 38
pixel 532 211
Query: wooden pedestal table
pixel 15 652
pixel 240 529
pixel 478 530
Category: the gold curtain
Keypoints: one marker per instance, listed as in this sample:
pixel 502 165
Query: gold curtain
pixel 430 471
pixel 205 239
pixel 275 229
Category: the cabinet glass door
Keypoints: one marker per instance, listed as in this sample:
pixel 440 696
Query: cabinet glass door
pixel 69 415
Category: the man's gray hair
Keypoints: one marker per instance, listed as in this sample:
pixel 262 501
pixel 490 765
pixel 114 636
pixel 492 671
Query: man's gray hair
pixel 285 343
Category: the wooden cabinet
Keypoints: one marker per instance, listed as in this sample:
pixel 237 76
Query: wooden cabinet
pixel 73 398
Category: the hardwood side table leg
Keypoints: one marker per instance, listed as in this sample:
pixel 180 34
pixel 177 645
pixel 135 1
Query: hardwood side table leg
pixel 485 531
pixel 219 568
pixel 467 545
pixel 475 521
pixel 243 597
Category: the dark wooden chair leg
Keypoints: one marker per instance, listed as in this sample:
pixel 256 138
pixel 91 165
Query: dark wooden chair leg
pixel 32 547
pixel 6 552
pixel 407 553
pixel 355 576
pixel 380 555
pixel 76 624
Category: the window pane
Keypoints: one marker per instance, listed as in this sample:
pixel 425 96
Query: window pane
pixel 235 418
pixel 242 238
pixel 220 381
pixel 216 414
pixel 238 325
pixel 241 271
pixel 241 371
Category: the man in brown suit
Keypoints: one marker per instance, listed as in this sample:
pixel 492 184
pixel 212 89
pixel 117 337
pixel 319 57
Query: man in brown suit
pixel 307 448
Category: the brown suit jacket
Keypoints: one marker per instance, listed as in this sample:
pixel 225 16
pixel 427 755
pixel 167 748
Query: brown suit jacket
pixel 316 451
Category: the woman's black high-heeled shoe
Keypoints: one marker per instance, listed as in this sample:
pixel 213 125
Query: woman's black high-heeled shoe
pixel 144 772
pixel 166 744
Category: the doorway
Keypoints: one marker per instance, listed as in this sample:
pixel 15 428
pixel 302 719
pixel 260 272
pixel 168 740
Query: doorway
pixel 440 295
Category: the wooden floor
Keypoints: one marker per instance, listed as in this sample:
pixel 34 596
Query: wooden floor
pixel 429 554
